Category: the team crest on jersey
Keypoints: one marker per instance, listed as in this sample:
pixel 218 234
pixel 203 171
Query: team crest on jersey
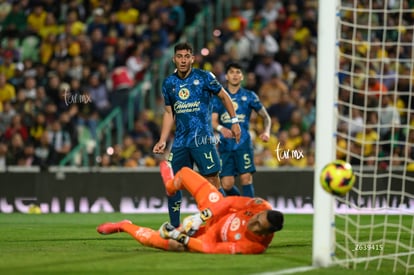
pixel 244 98
pixel 235 224
pixel 258 201
pixel 235 105
pixel 184 93
pixel 196 82
pixel 213 197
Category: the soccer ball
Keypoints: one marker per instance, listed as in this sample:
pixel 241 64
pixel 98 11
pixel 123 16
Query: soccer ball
pixel 337 177
pixel 34 209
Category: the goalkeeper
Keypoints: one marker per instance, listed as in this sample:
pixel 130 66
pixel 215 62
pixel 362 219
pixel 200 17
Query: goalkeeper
pixel 225 225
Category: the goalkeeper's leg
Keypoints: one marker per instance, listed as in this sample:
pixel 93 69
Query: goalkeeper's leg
pixel 149 237
pixel 145 236
pixel 199 187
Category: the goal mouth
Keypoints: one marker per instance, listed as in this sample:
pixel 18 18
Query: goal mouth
pixel 369 46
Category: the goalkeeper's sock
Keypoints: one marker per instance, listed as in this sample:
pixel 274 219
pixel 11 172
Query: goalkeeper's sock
pixel 174 206
pixel 198 186
pixel 145 236
pixel 248 190
pixel 167 176
pixel 234 191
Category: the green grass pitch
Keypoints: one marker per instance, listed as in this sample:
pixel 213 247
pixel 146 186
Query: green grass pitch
pixel 69 244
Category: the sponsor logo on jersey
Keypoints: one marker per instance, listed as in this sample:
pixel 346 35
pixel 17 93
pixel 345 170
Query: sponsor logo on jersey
pixel 225 118
pixel 186 107
pixel 225 227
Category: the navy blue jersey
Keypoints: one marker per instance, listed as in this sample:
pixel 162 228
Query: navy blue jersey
pixel 190 100
pixel 244 101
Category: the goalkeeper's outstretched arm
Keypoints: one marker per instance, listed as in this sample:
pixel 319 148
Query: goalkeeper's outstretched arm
pixel 167 231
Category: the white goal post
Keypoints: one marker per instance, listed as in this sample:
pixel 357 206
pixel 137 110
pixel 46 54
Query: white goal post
pixel 365 116
pixel 325 141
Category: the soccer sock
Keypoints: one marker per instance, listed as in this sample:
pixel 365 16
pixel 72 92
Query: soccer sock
pixel 248 190
pixel 174 205
pixel 145 236
pixel 234 191
pixel 199 187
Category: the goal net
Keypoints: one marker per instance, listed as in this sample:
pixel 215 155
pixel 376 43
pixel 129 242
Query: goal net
pixel 373 129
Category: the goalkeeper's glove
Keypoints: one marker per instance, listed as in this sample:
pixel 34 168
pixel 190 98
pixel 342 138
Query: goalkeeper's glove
pixel 168 231
pixel 192 223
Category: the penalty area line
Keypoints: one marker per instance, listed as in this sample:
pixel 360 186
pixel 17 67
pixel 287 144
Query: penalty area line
pixel 288 271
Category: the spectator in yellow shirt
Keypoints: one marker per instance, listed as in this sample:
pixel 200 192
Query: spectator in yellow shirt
pixel 50 26
pixel 7 90
pixel 235 21
pixel 7 67
pixel 367 141
pixel 301 33
pixel 47 47
pixel 127 14
pixel 37 18
pixel 74 26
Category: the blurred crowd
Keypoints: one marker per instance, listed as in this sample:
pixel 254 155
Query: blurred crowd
pixel 374 103
pixel 65 65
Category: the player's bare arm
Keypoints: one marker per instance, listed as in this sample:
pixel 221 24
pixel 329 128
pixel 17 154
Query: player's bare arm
pixel 220 128
pixel 235 127
pixel 266 123
pixel 167 124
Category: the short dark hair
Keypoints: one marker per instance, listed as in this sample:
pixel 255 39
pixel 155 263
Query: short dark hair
pixel 275 219
pixel 183 46
pixel 234 65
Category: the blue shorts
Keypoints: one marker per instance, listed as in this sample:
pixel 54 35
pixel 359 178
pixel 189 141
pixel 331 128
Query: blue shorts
pixel 204 156
pixel 237 162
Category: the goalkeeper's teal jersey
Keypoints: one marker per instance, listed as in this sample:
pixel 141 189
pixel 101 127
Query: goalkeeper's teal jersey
pixel 191 102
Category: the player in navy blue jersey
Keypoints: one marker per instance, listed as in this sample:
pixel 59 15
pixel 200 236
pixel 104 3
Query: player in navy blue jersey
pixel 237 158
pixel 188 94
